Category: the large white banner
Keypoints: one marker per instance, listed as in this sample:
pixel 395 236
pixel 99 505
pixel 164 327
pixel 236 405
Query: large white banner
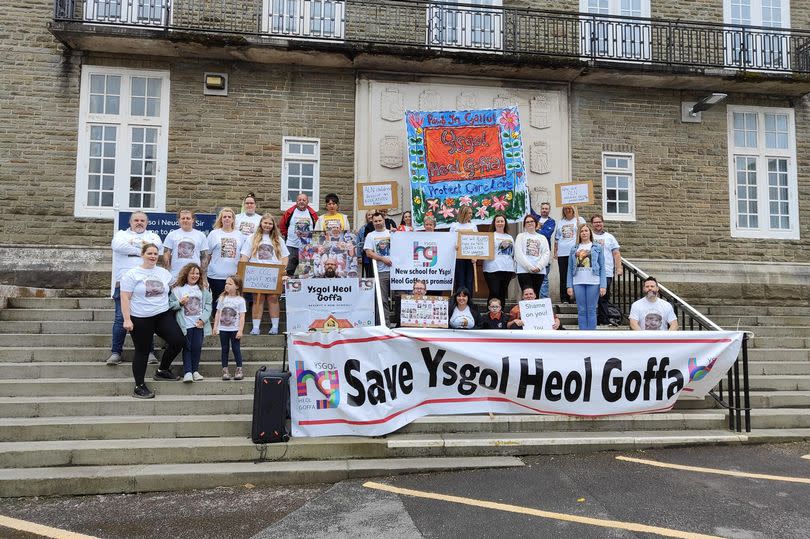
pixel 373 381
pixel 429 256
pixel 329 304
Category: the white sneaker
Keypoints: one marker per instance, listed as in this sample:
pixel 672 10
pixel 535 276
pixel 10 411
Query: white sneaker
pixel 188 377
pixel 273 331
pixel 255 331
pixel 198 377
pixel 114 359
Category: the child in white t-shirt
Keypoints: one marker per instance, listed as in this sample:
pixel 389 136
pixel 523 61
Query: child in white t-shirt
pixel 229 323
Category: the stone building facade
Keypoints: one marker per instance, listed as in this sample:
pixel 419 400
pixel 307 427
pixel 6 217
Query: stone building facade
pixel 308 78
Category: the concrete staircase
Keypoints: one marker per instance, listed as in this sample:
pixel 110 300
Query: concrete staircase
pixel 68 424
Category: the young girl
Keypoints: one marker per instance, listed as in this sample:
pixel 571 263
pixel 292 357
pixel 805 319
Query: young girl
pixel 266 247
pixel 229 323
pixel 192 300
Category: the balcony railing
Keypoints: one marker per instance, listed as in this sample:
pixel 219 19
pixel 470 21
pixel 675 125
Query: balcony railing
pixel 460 27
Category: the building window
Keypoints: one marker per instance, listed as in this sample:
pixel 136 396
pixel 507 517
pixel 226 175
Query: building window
pixel 304 18
pixel 469 24
pixel 618 187
pixel 616 38
pixel 135 12
pixel 762 173
pixel 757 47
pixel 123 139
pixel 300 171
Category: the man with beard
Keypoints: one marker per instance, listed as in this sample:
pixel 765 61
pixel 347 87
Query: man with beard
pixel 330 268
pixel 649 312
pixel 613 262
pixel 546 226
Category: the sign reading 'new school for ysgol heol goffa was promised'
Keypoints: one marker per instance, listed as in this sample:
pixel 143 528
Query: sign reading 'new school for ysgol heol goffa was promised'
pixel 372 381
pixel 466 158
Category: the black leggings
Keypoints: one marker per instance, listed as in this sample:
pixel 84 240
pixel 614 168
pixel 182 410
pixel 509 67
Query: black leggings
pixel 531 280
pixel 143 330
pixel 498 283
pixel 562 264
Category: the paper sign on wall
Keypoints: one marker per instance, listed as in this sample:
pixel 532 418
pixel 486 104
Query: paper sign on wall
pixel 377 195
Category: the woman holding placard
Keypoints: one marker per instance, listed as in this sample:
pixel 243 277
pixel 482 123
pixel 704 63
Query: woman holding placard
pixel 531 255
pixel 564 239
pixel 464 267
pixel 500 271
pixel 586 276
pixel 266 247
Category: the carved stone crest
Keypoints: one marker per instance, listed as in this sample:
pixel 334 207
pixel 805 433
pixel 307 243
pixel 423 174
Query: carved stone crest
pixel 540 110
pixel 392 106
pixel 392 150
pixel 429 100
pixel 467 101
pixel 503 101
pixel 538 158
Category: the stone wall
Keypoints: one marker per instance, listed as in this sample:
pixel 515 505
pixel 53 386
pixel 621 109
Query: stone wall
pixel 682 186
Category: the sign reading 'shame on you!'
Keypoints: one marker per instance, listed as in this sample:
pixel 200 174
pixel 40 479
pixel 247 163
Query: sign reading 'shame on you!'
pixel 373 381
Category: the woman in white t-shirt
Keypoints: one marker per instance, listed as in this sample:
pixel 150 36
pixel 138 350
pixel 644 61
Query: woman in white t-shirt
pixel 531 256
pixel 266 247
pixel 463 277
pixel 462 313
pixel 565 237
pixel 500 271
pixel 146 312
pixel 247 222
pixel 586 279
pixel 224 245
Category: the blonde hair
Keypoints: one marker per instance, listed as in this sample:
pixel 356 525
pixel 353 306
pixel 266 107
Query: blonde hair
pixel 579 232
pixel 237 282
pixel 464 214
pixel 275 237
pixel 218 222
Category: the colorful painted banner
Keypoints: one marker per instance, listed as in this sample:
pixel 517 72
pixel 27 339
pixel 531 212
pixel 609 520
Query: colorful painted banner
pixel 329 304
pixel 466 158
pixel 373 381
pixel 428 256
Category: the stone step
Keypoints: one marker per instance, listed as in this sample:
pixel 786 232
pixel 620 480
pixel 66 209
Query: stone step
pixel 778 368
pixel 778 354
pixel 86 328
pixel 128 426
pixel 733 322
pixel 81 480
pixel 780 418
pixel 778 331
pixel 86 371
pixel 57 315
pixel 61 303
pixel 777 342
pixel 786 382
pixel 780 399
pixel 751 310
pixel 99 354
pixel 121 387
pixel 127 405
pixel 71 340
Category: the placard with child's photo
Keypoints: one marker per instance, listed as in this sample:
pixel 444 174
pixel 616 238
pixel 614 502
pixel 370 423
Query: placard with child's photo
pixel 338 245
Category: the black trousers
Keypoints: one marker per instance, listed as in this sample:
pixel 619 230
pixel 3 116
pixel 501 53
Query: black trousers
pixel 531 280
pixel 165 326
pixel 562 265
pixel 498 283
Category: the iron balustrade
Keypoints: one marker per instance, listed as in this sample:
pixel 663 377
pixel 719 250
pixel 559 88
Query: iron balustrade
pixel 462 27
pixel 628 287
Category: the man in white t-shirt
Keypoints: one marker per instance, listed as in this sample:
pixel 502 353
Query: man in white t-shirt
pixel 184 245
pixel 613 260
pixel 126 246
pixel 378 247
pixel 296 225
pixel 652 313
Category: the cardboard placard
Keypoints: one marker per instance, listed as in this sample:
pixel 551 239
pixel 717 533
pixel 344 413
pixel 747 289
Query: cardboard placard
pixel 261 278
pixel 427 312
pixel 475 245
pixel 574 193
pixel 377 195
pixel 537 314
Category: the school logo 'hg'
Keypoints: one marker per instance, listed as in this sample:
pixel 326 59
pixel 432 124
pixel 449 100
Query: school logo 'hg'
pixel 425 254
pixel 327 382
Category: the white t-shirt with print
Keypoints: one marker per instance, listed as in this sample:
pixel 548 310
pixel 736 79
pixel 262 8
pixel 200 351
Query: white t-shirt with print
pixel 247 224
pixel 652 315
pixel 583 265
pixel 192 310
pixel 609 244
pixel 224 248
pixel 380 243
pixel 566 235
pixel 126 246
pixel 150 290
pixel 459 317
pixel 504 254
pixel 456 227
pixel 300 225
pixel 531 250
pixel 186 248
pixel 328 222
pixel 230 307
pixel 266 253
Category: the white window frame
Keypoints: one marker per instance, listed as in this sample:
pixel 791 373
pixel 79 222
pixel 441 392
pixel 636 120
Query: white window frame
pixel 121 12
pixel 614 52
pixel 631 195
pixel 465 15
pixel 761 153
pixel 756 38
pixel 124 123
pixel 299 23
pixel 286 157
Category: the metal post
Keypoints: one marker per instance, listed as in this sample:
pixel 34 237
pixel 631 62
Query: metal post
pixel 738 409
pixel 746 390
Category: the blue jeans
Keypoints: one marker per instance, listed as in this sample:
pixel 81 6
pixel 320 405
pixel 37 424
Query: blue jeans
pixel 544 286
pixel 192 350
pixel 227 339
pixel 587 296
pixel 118 331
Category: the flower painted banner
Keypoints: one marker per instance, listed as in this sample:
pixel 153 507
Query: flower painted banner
pixel 466 158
